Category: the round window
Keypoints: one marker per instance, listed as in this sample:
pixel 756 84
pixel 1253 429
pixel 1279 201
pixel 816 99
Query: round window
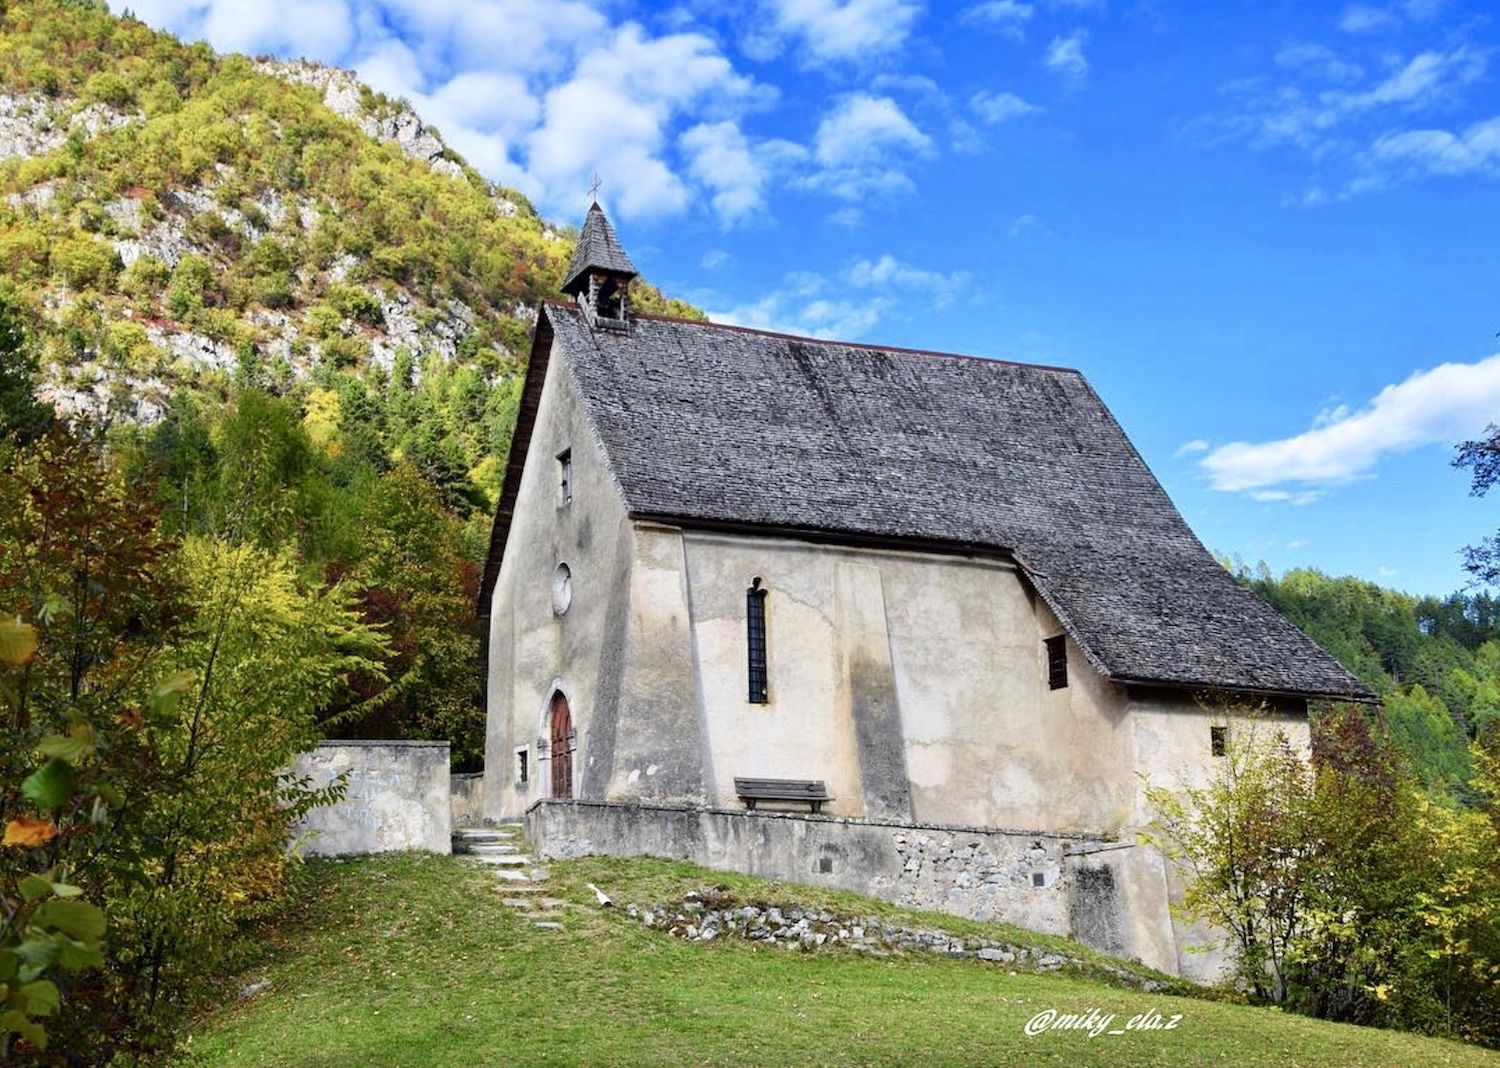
pixel 562 588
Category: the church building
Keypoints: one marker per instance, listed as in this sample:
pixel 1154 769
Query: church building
pixel 917 624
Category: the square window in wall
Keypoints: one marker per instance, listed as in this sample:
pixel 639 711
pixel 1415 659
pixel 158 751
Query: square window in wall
pixel 1218 740
pixel 565 474
pixel 1057 662
pixel 523 766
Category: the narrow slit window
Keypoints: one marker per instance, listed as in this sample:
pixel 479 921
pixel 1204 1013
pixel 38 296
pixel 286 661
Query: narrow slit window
pixel 1218 740
pixel 1057 662
pixel 565 475
pixel 755 641
pixel 523 767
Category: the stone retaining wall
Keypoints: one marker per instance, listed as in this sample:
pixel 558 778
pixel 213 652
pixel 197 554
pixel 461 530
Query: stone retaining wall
pixel 397 798
pixel 1019 877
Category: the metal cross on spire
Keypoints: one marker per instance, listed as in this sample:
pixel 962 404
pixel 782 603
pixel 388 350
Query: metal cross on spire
pixel 594 188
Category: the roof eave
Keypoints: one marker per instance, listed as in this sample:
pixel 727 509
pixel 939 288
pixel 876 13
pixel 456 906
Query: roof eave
pixel 1363 697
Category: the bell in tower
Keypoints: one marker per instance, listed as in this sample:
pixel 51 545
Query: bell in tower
pixel 599 273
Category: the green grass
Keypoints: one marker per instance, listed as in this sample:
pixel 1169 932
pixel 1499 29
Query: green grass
pixel 413 960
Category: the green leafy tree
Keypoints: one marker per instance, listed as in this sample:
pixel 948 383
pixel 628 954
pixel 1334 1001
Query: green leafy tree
pixel 1343 887
pixel 1481 457
pixel 164 693
pixel 21 415
pixel 418 588
pixel 1244 844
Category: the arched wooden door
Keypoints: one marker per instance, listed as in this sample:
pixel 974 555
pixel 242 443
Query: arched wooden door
pixel 562 747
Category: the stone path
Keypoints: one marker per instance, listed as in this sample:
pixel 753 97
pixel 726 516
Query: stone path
pixel 503 849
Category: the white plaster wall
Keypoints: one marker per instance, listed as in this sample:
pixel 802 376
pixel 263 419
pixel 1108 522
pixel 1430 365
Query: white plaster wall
pixel 532 649
pixel 986 743
pixel 803 732
pixel 396 798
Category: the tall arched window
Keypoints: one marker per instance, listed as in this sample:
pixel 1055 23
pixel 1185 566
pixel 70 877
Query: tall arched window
pixel 755 641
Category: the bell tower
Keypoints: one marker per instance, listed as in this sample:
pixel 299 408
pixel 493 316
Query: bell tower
pixel 599 274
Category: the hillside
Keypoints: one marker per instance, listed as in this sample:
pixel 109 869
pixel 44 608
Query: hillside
pixel 299 318
pixel 391 956
pixel 171 216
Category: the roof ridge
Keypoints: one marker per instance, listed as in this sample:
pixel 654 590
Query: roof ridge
pixel 897 349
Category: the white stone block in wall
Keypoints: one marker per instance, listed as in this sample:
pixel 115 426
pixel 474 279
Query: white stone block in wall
pixel 397 798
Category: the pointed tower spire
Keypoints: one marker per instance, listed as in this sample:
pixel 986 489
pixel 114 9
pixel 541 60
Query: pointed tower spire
pixel 600 272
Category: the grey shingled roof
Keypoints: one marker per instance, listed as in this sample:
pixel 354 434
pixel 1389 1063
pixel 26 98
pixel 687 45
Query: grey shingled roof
pixel 715 425
pixel 597 248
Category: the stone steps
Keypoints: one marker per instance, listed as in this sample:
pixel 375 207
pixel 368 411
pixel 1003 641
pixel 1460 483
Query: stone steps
pixel 488 849
pixel 502 849
pixel 502 860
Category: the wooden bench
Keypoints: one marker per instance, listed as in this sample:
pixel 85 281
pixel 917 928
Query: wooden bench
pixel 810 790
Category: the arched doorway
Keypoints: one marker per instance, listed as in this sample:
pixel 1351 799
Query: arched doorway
pixel 562 747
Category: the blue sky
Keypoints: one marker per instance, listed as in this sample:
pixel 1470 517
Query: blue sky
pixel 1265 231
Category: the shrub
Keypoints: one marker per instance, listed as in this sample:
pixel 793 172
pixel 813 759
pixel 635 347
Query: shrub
pixel 145 278
pixel 84 262
pixel 191 288
pixel 109 88
pixel 356 303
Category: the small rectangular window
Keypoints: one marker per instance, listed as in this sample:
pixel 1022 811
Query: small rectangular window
pixel 523 767
pixel 1218 740
pixel 755 640
pixel 1057 662
pixel 565 474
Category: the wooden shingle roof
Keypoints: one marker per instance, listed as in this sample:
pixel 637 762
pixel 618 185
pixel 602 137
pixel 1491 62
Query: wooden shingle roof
pixel 598 249
pixel 718 426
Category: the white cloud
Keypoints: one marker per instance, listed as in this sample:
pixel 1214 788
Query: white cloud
pixel 917 84
pixel 886 271
pixel 996 108
pixel 842 30
pixel 1009 16
pixel 1065 55
pixel 864 129
pixel 863 146
pixel 819 317
pixel 964 137
pixel 1363 18
pixel 713 259
pixel 1425 78
pixel 1189 448
pixel 1301 497
pixel 1318 61
pixel 1441 405
pixel 1292 114
pixel 1477 148
pixel 737 171
pixel 848 307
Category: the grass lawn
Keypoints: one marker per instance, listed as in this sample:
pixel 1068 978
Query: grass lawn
pixel 413 960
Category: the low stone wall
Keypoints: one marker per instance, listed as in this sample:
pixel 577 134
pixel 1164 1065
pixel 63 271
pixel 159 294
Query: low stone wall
pixel 397 798
pixel 1021 877
pixel 467 793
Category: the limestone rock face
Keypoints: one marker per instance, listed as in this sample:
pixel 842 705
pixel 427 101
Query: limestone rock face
pixel 342 95
pixel 32 125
